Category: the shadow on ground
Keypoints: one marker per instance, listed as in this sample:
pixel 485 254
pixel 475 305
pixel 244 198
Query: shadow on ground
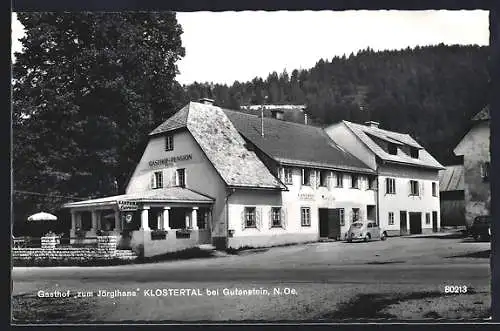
pixel 481 255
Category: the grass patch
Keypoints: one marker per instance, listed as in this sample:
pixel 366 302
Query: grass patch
pixel 29 308
pixel 371 306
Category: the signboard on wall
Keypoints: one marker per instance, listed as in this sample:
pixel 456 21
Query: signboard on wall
pixel 306 196
pixel 127 206
pixel 169 161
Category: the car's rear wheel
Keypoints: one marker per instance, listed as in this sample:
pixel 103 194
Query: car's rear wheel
pixel 383 236
pixel 367 237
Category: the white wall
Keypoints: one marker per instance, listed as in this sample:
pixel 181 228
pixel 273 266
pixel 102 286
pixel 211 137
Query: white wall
pixel 344 137
pixel 402 200
pixel 201 176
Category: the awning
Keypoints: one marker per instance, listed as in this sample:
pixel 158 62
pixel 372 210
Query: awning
pixel 166 195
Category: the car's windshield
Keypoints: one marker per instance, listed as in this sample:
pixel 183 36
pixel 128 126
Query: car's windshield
pixel 357 225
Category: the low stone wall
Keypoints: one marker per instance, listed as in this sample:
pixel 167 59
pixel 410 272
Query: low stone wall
pixel 105 250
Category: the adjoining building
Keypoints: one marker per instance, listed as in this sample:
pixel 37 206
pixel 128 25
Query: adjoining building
pixel 451 195
pixel 210 175
pixel 474 147
pixel 408 182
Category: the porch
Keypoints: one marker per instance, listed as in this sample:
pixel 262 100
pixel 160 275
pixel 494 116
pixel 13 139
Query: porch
pixel 150 223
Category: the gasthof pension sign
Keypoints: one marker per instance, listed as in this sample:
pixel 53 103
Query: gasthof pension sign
pixel 169 161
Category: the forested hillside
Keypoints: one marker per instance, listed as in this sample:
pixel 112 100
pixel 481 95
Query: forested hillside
pixel 429 92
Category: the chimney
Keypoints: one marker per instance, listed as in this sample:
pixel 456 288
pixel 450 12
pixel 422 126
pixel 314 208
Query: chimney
pixel 206 101
pixel 277 114
pixel 372 124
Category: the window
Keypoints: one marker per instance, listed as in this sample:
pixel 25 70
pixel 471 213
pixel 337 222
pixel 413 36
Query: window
pixel 157 180
pixel 276 217
pixel 427 218
pixel 203 218
pixel 485 171
pixel 390 186
pixel 414 152
pixel 391 218
pixel 372 183
pixel 250 217
pixel 355 215
pixel 354 181
pixel 414 189
pixel 169 143
pixel 287 174
pixel 342 216
pixel 370 225
pixel 323 178
pixel 181 177
pixel 434 189
pixel 306 177
pixel 393 149
pixel 305 216
pixel 340 180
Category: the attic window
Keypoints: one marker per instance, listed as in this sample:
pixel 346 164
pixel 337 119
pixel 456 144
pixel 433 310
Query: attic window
pixel 414 152
pixel 393 149
pixel 169 143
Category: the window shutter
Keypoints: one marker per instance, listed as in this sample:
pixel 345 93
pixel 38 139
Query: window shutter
pixel 153 180
pixel 283 218
pixel 270 216
pixel 173 179
pixel 409 187
pixel 387 185
pixel 243 221
pixel 421 188
pixel 258 218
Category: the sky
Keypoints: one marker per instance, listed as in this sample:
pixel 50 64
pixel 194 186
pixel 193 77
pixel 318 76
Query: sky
pixel 228 46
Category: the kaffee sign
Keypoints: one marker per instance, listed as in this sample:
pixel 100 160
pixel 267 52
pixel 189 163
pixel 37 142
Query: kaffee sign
pixel 170 160
pixel 127 206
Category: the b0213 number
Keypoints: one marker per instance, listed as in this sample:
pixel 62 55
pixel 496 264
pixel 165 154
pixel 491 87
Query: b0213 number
pixel 457 289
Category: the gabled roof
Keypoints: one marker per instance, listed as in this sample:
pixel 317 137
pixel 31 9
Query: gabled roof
pixel 223 146
pixel 170 194
pixel 451 178
pixel 295 144
pixel 176 121
pixel 483 115
pixel 363 132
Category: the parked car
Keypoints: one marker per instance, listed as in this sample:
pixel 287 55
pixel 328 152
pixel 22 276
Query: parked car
pixel 481 228
pixel 365 231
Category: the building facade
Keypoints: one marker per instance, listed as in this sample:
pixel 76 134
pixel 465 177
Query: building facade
pixel 475 150
pixel 407 176
pixel 210 176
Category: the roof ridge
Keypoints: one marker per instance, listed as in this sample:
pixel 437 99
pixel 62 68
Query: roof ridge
pixel 270 119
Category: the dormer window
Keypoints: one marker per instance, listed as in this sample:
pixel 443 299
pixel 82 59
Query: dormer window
pixel 393 149
pixel 157 180
pixel 414 152
pixel 169 143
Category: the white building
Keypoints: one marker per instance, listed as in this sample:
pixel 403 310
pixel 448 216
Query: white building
pixel 210 175
pixel 408 181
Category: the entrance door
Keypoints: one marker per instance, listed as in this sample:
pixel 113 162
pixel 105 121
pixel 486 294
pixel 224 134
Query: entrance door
pixel 434 221
pixel 323 222
pixel 329 223
pixel 415 223
pixel 334 224
pixel 403 221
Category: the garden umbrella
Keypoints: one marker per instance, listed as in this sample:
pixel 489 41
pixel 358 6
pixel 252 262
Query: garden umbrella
pixel 42 219
pixel 42 216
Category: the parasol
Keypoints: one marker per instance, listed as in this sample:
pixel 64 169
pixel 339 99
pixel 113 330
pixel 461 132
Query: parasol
pixel 42 216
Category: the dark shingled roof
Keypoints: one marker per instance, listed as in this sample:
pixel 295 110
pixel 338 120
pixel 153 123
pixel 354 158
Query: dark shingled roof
pixel 293 143
pixel 223 146
pixel 451 178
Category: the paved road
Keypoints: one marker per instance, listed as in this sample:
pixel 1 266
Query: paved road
pixel 322 274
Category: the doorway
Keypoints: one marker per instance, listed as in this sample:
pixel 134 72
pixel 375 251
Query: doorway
pixel 415 223
pixel 403 223
pixel 329 223
pixel 434 221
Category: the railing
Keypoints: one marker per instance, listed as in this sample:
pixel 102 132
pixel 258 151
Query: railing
pixel 36 242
